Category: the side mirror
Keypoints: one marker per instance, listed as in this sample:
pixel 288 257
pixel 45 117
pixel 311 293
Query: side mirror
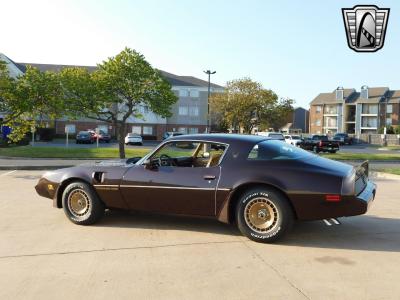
pixel 206 155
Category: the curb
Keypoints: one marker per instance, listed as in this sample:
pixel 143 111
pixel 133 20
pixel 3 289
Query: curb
pixel 383 175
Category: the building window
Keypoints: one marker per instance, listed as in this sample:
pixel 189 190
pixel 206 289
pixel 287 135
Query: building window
pixel 330 109
pixel 182 130
pixel 193 111
pixel 147 130
pixel 137 130
pixel 183 110
pixel 369 122
pixel 318 123
pixel 330 122
pixel 389 121
pixel 70 128
pixel 370 109
pixel 183 93
pixel 194 93
pixel 318 108
pixel 193 130
pixel 389 108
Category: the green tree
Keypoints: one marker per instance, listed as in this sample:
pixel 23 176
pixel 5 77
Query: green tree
pixel 115 91
pixel 245 104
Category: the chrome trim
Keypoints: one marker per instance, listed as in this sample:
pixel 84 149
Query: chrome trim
pixel 105 185
pixel 165 187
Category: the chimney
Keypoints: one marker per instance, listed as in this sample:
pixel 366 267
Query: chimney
pixel 364 92
pixel 339 93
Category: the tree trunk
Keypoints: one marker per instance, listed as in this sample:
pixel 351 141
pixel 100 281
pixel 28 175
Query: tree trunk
pixel 121 139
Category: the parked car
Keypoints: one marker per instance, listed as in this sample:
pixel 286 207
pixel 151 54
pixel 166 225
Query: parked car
pixel 133 139
pixel 343 138
pixel 85 137
pixel 104 137
pixel 272 135
pixel 262 185
pixel 319 143
pixel 293 139
pixel 170 134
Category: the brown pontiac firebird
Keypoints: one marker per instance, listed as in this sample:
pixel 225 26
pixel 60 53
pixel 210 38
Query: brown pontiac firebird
pixel 261 184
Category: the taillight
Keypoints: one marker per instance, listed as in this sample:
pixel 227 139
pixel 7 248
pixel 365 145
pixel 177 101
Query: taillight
pixel 320 143
pixel 332 198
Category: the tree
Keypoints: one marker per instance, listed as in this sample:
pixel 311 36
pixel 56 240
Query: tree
pixel 277 115
pixel 33 97
pixel 245 104
pixel 115 91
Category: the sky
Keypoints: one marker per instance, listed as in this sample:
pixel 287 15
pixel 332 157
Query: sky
pixel 296 48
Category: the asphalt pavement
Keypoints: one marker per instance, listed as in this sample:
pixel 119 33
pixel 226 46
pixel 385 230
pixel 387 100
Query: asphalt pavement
pixel 147 256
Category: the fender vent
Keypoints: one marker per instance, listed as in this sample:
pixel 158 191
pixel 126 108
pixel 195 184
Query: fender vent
pixel 98 177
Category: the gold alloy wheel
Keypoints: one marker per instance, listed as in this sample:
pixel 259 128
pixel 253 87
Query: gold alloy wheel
pixel 261 215
pixel 78 203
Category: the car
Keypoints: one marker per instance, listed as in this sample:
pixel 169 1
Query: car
pixel 272 135
pixel 133 139
pixel 343 139
pixel 319 143
pixel 293 139
pixel 170 134
pixel 85 137
pixel 260 184
pixel 104 137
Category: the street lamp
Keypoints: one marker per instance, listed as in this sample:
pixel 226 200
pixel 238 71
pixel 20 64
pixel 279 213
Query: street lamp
pixel 209 73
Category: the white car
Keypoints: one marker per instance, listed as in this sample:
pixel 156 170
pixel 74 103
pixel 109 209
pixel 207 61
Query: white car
pixel 272 135
pixel 133 139
pixel 293 139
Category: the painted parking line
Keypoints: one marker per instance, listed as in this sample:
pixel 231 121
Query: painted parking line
pixel 8 173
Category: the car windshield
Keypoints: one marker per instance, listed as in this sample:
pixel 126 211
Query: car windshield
pixel 296 137
pixel 133 135
pixel 275 150
pixel 83 132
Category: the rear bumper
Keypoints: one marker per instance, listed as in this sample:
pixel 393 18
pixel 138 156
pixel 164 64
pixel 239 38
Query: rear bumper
pixel 366 197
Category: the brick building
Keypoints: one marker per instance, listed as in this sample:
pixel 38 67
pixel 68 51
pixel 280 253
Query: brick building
pixel 189 113
pixel 349 111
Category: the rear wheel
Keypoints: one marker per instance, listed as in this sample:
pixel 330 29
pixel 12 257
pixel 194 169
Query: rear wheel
pixel 263 215
pixel 81 204
pixel 333 151
pixel 315 149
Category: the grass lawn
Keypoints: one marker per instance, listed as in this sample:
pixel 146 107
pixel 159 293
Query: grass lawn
pixel 61 152
pixel 362 156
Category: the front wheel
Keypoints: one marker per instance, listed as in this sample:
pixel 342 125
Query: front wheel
pixel 81 204
pixel 315 149
pixel 263 215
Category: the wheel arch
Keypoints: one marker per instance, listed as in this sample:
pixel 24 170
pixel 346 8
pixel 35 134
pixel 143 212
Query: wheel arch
pixel 63 185
pixel 238 191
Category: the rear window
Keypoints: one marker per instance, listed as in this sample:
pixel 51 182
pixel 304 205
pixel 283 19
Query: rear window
pixel 275 150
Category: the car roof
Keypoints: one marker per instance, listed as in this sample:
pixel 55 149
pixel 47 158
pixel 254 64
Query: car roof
pixel 227 138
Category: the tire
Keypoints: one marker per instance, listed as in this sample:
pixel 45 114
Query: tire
pixel 333 152
pixel 315 149
pixel 81 204
pixel 265 202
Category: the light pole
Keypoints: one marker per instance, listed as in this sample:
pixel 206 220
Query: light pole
pixel 209 73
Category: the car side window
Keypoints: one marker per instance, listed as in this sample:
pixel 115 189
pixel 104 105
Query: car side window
pixel 176 150
pixel 209 155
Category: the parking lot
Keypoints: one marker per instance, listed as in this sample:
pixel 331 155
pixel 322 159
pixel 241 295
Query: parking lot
pixel 143 256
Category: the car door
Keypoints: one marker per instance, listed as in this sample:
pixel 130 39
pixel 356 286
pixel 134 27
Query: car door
pixel 171 189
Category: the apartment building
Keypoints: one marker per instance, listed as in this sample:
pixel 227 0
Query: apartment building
pixel 189 113
pixel 353 112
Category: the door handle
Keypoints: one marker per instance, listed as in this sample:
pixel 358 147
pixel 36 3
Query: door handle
pixel 209 177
